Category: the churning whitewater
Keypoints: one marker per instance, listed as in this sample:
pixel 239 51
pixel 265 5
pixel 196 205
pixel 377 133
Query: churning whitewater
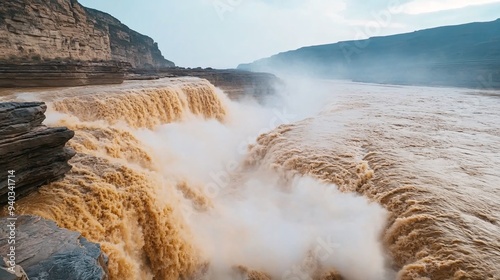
pixel 334 180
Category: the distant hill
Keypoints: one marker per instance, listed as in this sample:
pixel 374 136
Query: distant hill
pixel 463 55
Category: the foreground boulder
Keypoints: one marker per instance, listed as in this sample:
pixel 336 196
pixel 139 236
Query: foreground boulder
pixel 45 251
pixel 36 153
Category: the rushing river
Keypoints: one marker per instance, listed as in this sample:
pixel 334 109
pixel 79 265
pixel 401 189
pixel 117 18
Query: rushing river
pixel 329 179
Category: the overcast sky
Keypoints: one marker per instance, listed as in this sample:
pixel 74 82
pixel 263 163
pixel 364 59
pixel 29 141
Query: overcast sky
pixel 224 33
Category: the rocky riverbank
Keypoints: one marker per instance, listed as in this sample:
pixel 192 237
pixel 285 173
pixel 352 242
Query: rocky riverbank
pixel 44 251
pixel 37 30
pixel 36 153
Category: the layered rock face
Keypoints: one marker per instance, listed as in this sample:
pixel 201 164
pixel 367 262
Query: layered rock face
pixel 45 251
pixel 128 45
pixel 60 74
pixel 44 30
pixel 235 83
pixel 36 153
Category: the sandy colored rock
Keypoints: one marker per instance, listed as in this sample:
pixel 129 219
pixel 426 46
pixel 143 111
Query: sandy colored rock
pixel 65 30
pixel 36 153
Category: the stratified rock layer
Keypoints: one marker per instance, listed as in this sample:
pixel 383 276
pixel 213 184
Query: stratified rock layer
pixel 36 153
pixel 59 74
pixel 45 251
pixel 463 55
pixel 235 83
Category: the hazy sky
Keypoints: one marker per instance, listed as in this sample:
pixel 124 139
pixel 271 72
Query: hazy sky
pixel 224 33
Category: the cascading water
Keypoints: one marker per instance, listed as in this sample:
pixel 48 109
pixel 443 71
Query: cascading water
pixel 171 179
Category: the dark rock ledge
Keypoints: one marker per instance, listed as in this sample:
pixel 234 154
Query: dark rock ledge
pixel 35 152
pixel 45 251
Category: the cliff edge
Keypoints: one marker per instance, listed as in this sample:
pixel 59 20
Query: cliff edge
pixel 35 154
pixel 465 55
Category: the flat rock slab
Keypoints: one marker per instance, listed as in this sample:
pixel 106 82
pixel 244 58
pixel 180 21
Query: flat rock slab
pixel 46 252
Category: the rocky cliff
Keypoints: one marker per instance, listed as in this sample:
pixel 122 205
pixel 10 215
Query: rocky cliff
pixel 128 45
pixel 46 30
pixel 36 153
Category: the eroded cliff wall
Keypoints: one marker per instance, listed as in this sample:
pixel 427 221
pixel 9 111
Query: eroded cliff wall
pixel 44 30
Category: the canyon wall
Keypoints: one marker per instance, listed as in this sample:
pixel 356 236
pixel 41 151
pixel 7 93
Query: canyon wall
pixel 35 153
pixel 64 30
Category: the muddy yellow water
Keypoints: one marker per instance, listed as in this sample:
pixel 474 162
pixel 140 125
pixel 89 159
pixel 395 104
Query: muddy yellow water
pixel 345 181
pixel 429 156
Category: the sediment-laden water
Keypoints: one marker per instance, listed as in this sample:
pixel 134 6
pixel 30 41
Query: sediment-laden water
pixel 353 180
